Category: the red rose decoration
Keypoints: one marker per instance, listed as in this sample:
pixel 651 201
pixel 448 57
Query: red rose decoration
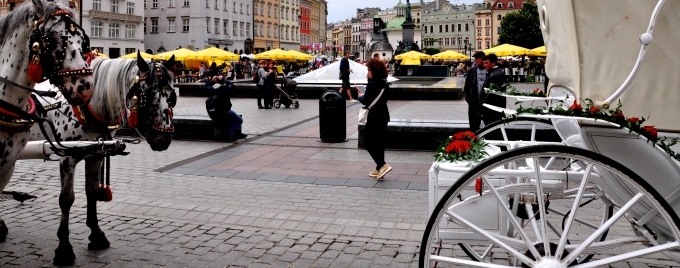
pixel 464 135
pixel 651 130
pixel 458 146
pixel 633 119
pixel 576 107
pixel 538 90
pixel 594 109
pixel 618 116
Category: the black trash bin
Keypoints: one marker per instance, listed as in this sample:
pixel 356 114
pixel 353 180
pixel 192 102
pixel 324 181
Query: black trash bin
pixel 332 117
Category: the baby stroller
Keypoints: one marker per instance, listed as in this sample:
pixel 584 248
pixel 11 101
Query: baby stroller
pixel 287 94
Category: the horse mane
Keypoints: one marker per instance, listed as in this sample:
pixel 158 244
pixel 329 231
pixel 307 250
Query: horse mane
pixel 25 12
pixel 113 78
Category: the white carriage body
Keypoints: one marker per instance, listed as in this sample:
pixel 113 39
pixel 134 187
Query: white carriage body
pixel 593 45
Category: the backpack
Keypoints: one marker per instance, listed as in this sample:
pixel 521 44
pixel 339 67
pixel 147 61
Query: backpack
pixel 255 78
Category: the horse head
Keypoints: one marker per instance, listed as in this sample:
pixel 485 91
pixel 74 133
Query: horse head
pixel 57 50
pixel 152 99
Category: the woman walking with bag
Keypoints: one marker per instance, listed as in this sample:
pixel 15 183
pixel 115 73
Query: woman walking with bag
pixel 375 100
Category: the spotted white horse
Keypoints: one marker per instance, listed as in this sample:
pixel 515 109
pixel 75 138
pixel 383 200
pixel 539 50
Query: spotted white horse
pixel 121 85
pixel 38 40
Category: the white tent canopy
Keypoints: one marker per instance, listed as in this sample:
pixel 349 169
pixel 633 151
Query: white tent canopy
pixel 329 75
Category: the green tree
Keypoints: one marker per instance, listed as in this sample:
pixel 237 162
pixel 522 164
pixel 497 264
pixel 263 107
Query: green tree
pixel 522 28
pixel 431 51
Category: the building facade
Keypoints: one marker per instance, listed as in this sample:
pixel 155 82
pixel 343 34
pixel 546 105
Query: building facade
pixel 356 37
pixel 115 27
pixel 347 36
pixel 448 27
pixel 195 25
pixel 266 20
pixel 305 24
pixel 485 37
pixel 499 9
pixel 289 29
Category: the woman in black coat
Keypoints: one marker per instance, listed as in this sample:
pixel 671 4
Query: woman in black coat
pixel 378 115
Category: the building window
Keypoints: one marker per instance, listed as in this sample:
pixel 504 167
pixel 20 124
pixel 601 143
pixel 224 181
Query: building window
pixel 499 17
pixel 171 3
pixel 130 8
pixel 269 31
pixel 459 27
pixel 234 28
pixel 479 32
pixel 487 31
pixel 431 29
pixel 130 31
pixel 226 5
pixel 247 29
pixel 225 27
pixel 234 7
pixel 217 5
pixel 256 13
pixel 511 5
pixel 488 45
pixel 262 10
pixel 499 30
pixel 114 30
pixel 447 28
pixel 207 3
pixel 96 29
pixel 217 26
pixel 479 22
pixel 276 11
pixel 488 21
pixel 185 24
pixel 154 25
pixel 467 27
pixel 97 5
pixel 114 6
pixel 262 29
pixel 207 25
pixel 171 25
pixel 479 44
pixel 130 50
pixel 240 28
pixel 499 5
pixel 247 9
pixel 440 28
pixel 145 26
pixel 241 10
pixel 276 31
pixel 255 30
pixel 186 3
pixel 154 3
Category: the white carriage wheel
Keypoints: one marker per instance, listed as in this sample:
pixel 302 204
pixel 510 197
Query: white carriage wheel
pixel 601 178
pixel 277 104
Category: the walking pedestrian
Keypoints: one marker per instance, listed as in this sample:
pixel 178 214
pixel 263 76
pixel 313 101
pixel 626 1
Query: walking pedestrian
pixel 375 98
pixel 261 87
pixel 270 85
pixel 344 76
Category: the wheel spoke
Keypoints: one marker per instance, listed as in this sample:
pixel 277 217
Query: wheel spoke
pixel 576 219
pixel 541 208
pixel 572 215
pixel 630 255
pixel 491 237
pixel 513 220
pixel 602 228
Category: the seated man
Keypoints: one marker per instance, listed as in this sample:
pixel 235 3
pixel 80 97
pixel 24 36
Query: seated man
pixel 218 106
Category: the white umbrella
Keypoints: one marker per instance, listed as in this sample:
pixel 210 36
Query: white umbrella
pixel 329 75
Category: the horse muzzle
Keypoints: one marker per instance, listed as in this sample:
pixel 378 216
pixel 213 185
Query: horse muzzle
pixel 76 85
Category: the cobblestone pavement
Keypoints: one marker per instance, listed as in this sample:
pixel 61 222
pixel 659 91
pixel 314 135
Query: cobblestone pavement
pixel 211 204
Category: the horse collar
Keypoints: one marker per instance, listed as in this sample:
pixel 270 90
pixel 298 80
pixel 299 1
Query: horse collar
pixel 90 120
pixel 12 122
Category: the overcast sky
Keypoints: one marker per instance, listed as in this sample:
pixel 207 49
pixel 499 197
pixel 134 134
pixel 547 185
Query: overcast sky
pixel 339 10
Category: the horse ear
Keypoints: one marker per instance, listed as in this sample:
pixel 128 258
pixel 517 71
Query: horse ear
pixel 39 5
pixel 141 63
pixel 169 63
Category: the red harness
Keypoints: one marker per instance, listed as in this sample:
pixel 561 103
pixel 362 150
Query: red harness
pixel 101 124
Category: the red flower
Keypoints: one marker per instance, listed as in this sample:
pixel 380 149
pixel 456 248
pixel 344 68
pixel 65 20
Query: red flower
pixel 651 130
pixel 537 91
pixel 464 135
pixel 458 146
pixel 576 107
pixel 633 119
pixel 618 116
pixel 594 109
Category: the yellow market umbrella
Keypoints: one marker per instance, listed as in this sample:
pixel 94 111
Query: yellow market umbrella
pixel 215 54
pixel 134 55
pixel 410 61
pixel 450 55
pixel 412 55
pixel 539 51
pixel 508 50
pixel 300 56
pixel 275 54
pixel 180 54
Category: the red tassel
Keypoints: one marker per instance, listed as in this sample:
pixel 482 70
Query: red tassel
pixel 35 70
pixel 132 119
pixel 104 193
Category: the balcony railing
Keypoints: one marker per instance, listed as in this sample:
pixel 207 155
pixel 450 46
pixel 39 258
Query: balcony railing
pixel 114 16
